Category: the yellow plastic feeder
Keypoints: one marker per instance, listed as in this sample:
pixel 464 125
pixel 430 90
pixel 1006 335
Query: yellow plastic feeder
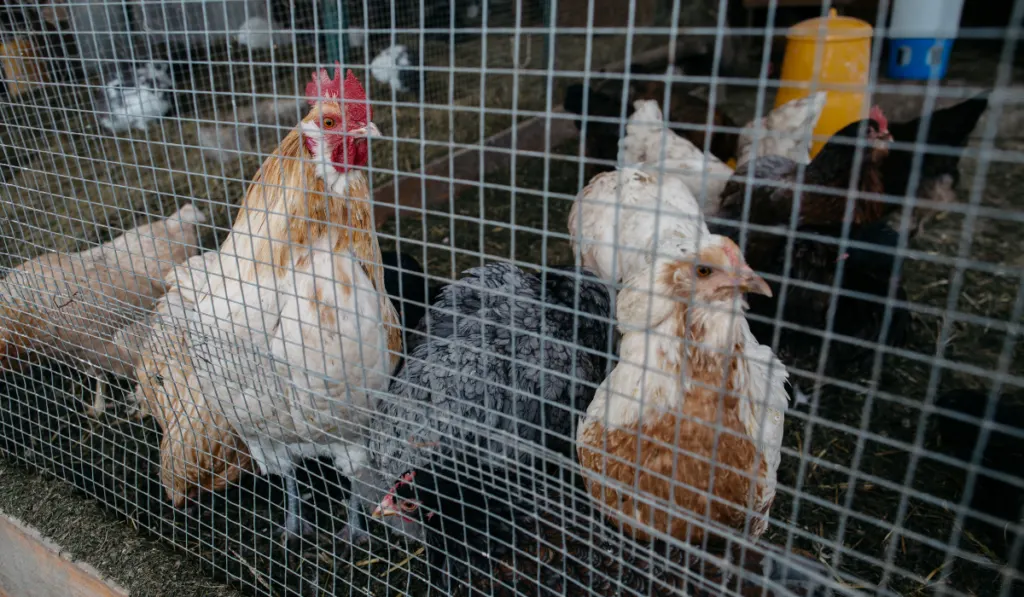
pixel 828 54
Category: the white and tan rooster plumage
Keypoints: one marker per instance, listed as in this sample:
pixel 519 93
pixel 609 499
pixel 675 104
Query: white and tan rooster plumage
pixel 294 333
pixel 662 445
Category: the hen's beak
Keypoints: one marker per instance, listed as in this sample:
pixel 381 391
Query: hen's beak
pixel 748 281
pixel 370 130
pixel 379 512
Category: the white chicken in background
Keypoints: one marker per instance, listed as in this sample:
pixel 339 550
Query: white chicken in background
pixel 398 67
pixel 650 145
pixel 786 131
pixel 259 34
pixel 136 101
pixel 623 217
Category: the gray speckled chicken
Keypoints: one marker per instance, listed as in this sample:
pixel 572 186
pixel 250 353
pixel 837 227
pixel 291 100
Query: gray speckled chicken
pixel 506 356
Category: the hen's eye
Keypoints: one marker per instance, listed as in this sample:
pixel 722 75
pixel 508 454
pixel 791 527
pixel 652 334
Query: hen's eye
pixel 408 506
pixel 703 271
pixel 328 123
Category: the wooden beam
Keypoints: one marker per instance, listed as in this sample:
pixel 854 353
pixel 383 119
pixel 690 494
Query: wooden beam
pixel 33 565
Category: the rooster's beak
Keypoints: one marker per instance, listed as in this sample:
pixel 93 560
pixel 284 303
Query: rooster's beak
pixel 379 512
pixel 369 130
pixel 748 281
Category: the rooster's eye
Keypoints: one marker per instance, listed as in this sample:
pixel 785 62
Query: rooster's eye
pixel 328 123
pixel 408 506
pixel 703 271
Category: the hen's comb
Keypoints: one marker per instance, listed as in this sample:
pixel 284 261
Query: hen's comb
pixel 876 115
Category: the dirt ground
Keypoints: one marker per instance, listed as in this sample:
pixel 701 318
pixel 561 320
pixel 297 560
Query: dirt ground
pixel 93 487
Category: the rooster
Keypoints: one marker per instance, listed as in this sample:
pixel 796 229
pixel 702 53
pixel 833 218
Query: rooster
pixel 75 306
pixel 294 332
pixel 785 131
pixel 509 361
pixel 200 449
pixel 688 426
pixel 504 530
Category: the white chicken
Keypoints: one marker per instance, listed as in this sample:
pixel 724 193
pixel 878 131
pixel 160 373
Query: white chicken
pixel 260 34
pixel 650 143
pixel 785 131
pixel 136 100
pixel 622 218
pixel 294 334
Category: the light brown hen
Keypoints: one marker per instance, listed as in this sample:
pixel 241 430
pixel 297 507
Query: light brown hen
pixel 74 307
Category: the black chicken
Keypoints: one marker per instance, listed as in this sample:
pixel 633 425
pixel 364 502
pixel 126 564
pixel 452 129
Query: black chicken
pixel 507 358
pixel 505 530
pixel 824 183
pixel 409 289
pixel 860 312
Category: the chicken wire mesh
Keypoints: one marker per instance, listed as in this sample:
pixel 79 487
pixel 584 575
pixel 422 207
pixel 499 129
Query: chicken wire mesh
pixel 292 353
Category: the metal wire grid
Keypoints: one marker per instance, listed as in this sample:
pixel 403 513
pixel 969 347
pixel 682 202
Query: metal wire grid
pixel 76 209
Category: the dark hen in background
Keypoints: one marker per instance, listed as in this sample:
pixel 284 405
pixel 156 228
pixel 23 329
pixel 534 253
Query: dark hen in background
pixel 771 204
pixel 509 530
pixel 814 261
pixel 505 359
pixel 1003 453
pixel 409 289
pixel 687 115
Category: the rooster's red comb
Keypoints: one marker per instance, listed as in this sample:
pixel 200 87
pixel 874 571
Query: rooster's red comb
pixel 325 86
pixel 877 115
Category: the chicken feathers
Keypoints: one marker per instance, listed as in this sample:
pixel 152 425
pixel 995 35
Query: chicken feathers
pixel 786 131
pixel 689 423
pixel 73 306
pixel 200 449
pixel 622 218
pixel 506 363
pixel 648 141
pixel 505 530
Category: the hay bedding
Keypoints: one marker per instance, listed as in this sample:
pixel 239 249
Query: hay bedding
pixel 112 465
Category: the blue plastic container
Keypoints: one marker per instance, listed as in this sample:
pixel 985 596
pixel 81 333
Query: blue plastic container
pixel 919 58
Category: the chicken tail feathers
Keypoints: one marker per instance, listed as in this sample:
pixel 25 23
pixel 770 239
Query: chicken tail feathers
pixel 950 126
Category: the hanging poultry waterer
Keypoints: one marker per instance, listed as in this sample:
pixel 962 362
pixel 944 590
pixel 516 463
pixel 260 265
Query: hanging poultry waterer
pixel 830 54
pixel 921 36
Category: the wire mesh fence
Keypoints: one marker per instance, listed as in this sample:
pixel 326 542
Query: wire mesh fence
pixel 514 300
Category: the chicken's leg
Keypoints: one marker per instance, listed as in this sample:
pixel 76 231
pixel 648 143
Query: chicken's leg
pixel 99 398
pixel 293 519
pixel 355 531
